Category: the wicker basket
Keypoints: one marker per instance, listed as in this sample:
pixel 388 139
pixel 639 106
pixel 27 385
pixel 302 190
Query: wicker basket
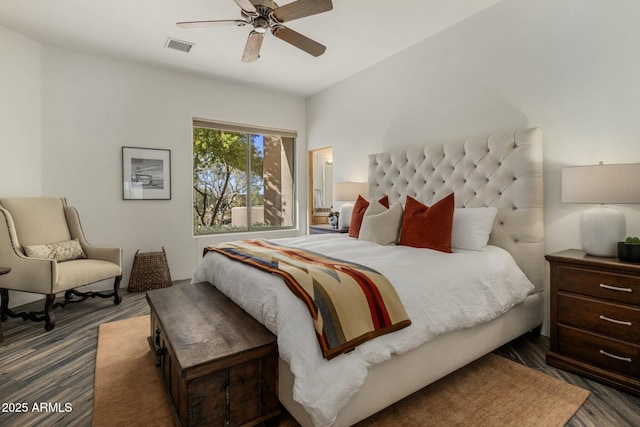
pixel 150 271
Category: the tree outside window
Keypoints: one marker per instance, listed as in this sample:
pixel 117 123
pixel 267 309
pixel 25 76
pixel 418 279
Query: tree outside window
pixel 241 180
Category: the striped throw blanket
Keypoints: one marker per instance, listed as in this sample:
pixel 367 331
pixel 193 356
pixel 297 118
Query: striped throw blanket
pixel 349 303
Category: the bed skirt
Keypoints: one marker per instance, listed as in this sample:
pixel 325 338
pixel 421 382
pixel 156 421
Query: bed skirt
pixel 407 373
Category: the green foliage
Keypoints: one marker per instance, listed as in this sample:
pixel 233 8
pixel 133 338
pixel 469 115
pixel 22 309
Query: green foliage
pixel 632 240
pixel 220 178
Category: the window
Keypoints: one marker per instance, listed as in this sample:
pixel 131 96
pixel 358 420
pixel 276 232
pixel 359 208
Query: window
pixel 243 178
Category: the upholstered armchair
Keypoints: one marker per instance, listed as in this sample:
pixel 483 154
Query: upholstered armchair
pixel 42 241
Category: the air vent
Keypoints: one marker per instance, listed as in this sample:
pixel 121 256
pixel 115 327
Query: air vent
pixel 180 45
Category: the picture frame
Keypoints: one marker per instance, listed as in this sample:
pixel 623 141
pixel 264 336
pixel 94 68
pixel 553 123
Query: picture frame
pixel 146 173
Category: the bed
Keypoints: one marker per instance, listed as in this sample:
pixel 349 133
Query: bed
pixel 503 171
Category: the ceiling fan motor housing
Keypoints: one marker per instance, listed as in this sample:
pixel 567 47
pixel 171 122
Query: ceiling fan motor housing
pixel 264 3
pixel 263 18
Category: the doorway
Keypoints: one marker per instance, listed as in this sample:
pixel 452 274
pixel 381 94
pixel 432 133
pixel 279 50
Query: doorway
pixel 320 185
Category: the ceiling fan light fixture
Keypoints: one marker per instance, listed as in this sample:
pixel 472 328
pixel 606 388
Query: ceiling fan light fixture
pixel 260 25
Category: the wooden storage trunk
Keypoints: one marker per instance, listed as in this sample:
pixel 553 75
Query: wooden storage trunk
pixel 218 364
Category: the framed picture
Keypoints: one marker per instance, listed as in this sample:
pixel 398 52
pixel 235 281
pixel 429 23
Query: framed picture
pixel 146 174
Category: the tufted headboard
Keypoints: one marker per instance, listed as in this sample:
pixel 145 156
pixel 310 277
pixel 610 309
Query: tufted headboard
pixel 502 170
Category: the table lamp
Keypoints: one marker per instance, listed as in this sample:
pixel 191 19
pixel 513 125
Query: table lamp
pixel 602 227
pixel 347 192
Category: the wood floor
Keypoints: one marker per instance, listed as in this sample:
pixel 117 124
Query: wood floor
pixel 54 370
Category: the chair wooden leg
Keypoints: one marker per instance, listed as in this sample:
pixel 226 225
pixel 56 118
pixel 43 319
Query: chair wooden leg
pixel 71 293
pixel 36 316
pixel 4 294
pixel 117 298
pixel 50 304
pixel 49 318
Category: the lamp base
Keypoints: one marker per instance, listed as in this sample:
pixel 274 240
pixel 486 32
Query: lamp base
pixel 344 220
pixel 601 228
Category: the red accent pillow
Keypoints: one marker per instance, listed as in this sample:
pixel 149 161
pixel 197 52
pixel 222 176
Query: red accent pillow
pixel 428 227
pixel 357 214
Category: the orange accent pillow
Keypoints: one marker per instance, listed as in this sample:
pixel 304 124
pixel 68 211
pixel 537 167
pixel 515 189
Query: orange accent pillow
pixel 428 227
pixel 357 214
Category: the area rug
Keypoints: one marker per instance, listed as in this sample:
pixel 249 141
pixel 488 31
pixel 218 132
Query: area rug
pixel 127 390
pixel 492 391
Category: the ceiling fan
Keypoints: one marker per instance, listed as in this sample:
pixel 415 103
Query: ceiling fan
pixel 266 15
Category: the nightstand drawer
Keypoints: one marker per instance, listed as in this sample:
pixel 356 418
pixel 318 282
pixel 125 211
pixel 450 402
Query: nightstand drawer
pixel 607 354
pixel 610 286
pixel 612 320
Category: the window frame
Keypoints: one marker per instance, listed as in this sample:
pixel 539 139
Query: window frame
pixel 250 130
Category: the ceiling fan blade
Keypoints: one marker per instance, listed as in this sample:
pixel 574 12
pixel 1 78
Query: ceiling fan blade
pixel 218 23
pixel 252 49
pixel 300 9
pixel 296 39
pixel 246 5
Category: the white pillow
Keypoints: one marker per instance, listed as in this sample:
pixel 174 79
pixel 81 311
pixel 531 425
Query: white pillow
pixel 472 227
pixel 63 251
pixel 381 225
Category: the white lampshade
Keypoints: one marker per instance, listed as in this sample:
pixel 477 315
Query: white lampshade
pixel 602 227
pixel 348 191
pixel 602 184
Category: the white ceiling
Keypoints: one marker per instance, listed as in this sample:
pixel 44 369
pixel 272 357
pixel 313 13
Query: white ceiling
pixel 357 33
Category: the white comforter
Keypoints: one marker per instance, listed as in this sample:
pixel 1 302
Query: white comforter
pixel 441 293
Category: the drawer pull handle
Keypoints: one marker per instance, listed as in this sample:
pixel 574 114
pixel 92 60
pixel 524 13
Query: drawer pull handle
pixel 613 356
pixel 615 288
pixel 158 337
pixel 619 322
pixel 159 353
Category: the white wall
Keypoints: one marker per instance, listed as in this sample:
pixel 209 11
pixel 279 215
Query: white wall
pixel 91 106
pixel 20 116
pixel 568 66
pixel 20 122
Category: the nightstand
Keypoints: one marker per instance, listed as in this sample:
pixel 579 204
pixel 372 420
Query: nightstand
pixel 325 228
pixel 595 318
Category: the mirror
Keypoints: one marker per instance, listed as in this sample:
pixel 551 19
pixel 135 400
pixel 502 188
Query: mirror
pixel 321 184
